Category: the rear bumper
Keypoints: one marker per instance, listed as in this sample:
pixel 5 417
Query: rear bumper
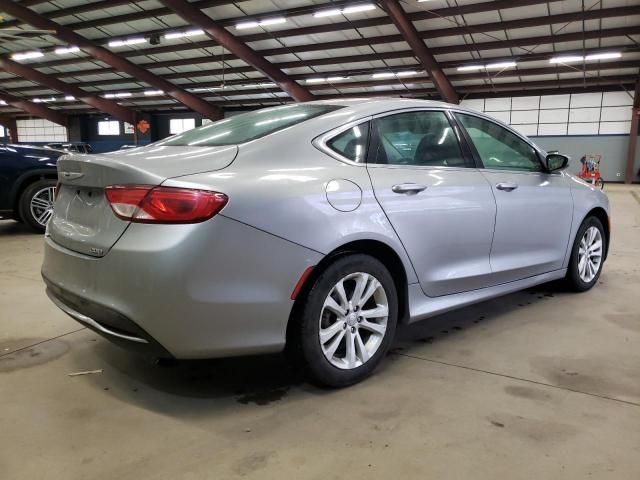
pixel 105 321
pixel 215 289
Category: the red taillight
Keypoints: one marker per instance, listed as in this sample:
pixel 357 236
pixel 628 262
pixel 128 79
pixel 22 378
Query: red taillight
pixel 148 204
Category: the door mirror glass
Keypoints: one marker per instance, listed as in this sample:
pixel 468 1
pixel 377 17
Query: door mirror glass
pixel 556 161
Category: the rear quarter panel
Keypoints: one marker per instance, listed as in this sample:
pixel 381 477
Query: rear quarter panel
pixel 278 184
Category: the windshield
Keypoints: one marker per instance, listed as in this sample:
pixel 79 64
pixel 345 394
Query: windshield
pixel 248 126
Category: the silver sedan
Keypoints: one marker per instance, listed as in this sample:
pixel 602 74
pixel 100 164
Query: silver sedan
pixel 314 227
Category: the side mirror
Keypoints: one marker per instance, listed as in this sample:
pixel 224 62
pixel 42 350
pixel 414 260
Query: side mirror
pixel 556 161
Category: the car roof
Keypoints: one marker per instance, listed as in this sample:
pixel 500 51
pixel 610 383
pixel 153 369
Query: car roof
pixel 373 105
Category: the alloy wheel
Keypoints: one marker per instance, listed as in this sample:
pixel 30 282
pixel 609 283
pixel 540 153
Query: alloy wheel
pixel 41 205
pixel 353 320
pixel 590 254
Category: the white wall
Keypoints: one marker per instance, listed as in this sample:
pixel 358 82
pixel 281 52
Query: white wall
pixel 40 130
pixel 607 113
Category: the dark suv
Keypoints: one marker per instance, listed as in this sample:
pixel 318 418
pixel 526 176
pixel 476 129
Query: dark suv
pixel 28 179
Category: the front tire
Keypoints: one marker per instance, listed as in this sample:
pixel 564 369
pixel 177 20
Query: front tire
pixel 347 322
pixel 35 205
pixel 587 255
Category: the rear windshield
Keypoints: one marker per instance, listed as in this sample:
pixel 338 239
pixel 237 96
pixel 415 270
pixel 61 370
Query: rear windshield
pixel 249 126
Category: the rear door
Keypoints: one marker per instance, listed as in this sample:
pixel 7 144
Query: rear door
pixel 534 208
pixel 439 204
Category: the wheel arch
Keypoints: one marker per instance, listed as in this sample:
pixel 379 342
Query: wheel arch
pixel 375 248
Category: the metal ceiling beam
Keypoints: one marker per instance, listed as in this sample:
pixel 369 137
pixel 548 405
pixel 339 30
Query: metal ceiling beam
pixel 104 55
pixel 11 125
pixel 629 174
pixel 35 109
pixel 117 111
pixel 238 48
pixel 427 60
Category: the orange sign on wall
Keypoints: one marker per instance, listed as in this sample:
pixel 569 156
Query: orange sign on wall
pixel 143 126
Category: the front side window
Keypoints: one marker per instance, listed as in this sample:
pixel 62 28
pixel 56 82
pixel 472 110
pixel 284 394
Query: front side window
pixel 352 143
pixel 418 139
pixel 497 147
pixel 249 126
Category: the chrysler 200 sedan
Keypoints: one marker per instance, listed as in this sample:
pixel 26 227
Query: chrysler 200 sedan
pixel 314 227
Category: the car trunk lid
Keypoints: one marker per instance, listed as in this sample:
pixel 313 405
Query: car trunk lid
pixel 83 220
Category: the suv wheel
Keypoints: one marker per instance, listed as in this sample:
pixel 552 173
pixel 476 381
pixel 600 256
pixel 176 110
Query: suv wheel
pixel 36 204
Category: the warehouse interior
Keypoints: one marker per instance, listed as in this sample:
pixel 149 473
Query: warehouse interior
pixel 540 383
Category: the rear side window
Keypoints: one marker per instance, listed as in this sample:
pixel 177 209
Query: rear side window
pixel 352 143
pixel 248 126
pixel 418 139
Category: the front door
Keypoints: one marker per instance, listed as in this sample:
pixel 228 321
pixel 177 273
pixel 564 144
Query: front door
pixel 534 207
pixel 439 204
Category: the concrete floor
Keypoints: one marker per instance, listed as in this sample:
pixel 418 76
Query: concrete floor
pixel 538 384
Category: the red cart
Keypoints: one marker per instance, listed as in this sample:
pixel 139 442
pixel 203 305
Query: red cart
pixel 590 170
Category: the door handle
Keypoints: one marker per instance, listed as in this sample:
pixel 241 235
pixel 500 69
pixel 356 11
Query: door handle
pixel 507 187
pixel 408 188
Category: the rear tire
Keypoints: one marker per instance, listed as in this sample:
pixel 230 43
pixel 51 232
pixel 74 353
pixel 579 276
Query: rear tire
pixel 587 255
pixel 339 336
pixel 35 205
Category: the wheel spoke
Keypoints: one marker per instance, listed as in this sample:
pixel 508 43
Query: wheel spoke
pixel 371 288
pixel 342 296
pixel 350 356
pixel 332 305
pixel 328 333
pixel 41 219
pixel 361 284
pixel 582 265
pixel 39 202
pixel 335 343
pixel 373 327
pixel 378 312
pixel 361 349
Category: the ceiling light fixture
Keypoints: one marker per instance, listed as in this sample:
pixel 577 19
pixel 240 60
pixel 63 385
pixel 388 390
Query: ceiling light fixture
pixel 65 50
pixel 603 56
pixel 566 59
pixel 344 11
pixel 27 55
pixel 206 89
pixel 127 41
pixel 117 95
pixel 327 79
pixel 2 102
pixel 470 68
pixel 69 98
pixel 500 65
pixel 44 100
pixel 407 73
pixel 261 23
pixel 149 93
pixel 267 84
pixel 188 33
